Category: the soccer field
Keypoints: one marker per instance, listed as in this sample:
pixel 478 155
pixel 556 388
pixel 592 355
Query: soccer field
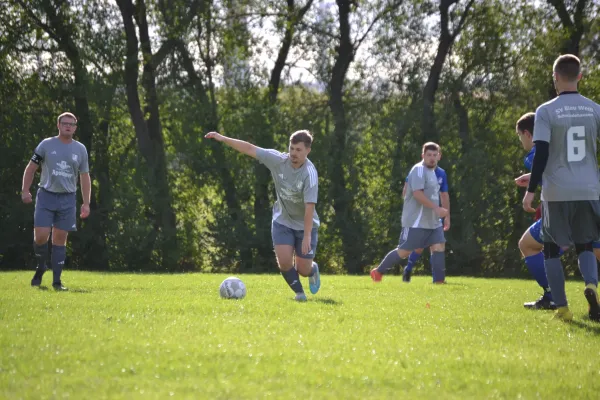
pixel 159 336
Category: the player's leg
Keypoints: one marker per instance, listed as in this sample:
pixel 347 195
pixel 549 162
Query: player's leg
pixel 42 225
pixel 412 259
pixel 410 239
pixel 304 262
pixel 437 247
pixel 283 242
pixel 531 246
pixel 65 221
pixel 586 216
pixel 557 234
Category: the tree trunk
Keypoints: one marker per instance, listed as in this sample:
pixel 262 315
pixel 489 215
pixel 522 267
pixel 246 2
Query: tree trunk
pixel 428 125
pixel 343 204
pixel 149 132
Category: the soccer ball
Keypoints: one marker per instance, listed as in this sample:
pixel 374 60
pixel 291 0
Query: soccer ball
pixel 232 288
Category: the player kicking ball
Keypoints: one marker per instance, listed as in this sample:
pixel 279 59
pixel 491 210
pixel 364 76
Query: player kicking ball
pixel 294 228
pixel 421 213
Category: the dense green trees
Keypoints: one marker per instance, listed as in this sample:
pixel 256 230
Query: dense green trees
pixel 372 80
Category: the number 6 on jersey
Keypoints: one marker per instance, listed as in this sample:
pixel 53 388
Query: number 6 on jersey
pixel 576 143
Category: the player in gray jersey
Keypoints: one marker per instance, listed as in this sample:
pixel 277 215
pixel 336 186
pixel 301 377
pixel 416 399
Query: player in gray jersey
pixel 421 213
pixel 63 161
pixel 294 228
pixel 565 134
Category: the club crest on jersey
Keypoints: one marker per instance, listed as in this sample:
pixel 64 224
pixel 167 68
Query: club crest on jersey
pixel 74 157
pixel 440 180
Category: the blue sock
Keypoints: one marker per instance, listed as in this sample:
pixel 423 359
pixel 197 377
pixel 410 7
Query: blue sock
pixel 293 280
pixel 535 265
pixel 588 267
pixel 58 256
pixel 438 266
pixel 412 259
pixel 556 279
pixel 392 258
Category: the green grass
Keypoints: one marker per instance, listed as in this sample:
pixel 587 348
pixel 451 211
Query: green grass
pixel 155 336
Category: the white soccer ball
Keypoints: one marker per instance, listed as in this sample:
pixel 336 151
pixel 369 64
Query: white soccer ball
pixel 232 288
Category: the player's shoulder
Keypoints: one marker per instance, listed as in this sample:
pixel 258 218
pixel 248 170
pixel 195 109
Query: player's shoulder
pixel 48 141
pixel 310 173
pixel 549 104
pixel 440 171
pixel 273 153
pixel 78 144
pixel 418 168
pixel 310 167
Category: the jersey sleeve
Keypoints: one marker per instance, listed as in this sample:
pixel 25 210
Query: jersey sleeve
pixel 541 129
pixel 269 157
pixel 311 185
pixel 444 185
pixel 416 178
pixel 39 154
pixel 84 167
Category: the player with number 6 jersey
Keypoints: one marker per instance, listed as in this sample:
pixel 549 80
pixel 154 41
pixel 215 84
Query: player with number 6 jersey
pixel 565 134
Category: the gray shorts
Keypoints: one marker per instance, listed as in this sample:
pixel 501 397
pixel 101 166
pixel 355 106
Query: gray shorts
pixel 569 222
pixel 420 238
pixel 55 209
pixel 281 234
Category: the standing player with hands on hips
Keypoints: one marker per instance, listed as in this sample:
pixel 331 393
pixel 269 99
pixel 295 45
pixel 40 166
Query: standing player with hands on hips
pixel 63 161
pixel 295 221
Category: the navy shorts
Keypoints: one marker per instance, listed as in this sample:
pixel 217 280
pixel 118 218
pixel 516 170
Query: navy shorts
pixel 55 209
pixel 281 234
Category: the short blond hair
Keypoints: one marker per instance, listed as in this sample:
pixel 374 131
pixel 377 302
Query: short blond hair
pixel 65 114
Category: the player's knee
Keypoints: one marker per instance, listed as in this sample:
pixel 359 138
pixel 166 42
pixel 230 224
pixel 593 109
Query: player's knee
pixel 551 250
pixel 418 251
pixel 581 247
pixel 439 247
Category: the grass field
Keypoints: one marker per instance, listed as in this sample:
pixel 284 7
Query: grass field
pixel 160 336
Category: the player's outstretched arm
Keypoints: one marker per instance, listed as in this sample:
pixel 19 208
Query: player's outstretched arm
pixel 239 145
pixel 27 180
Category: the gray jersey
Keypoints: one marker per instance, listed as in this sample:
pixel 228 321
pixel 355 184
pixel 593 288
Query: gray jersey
pixel 414 214
pixel 61 164
pixel 294 188
pixel 570 124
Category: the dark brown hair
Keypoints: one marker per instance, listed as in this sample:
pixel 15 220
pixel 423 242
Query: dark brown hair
pixel 431 146
pixel 303 136
pixel 568 66
pixel 525 123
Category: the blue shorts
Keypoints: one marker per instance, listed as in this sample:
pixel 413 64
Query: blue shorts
pixel 535 230
pixel 281 234
pixel 55 209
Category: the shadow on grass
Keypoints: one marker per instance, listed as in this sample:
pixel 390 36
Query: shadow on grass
pixel 588 325
pixel 43 288
pixel 328 301
pixel 80 290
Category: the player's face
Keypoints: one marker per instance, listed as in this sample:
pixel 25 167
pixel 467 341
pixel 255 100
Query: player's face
pixel 67 126
pixel 298 153
pixel 526 139
pixel 430 158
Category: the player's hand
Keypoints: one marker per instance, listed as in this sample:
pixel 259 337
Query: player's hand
pixel 26 197
pixel 214 135
pixel 523 180
pixel 441 212
pixel 85 210
pixel 447 223
pixel 306 244
pixel 527 200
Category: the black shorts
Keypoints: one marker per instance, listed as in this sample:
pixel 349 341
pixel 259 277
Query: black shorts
pixel 569 222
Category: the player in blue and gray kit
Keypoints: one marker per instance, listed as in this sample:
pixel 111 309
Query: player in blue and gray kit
pixel 445 203
pixel 421 213
pixel 531 243
pixel 295 221
pixel 565 136
pixel 63 161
